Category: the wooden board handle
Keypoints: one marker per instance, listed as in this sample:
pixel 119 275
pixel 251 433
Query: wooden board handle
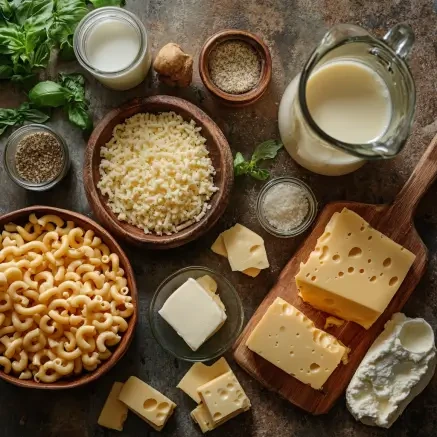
pixel 416 186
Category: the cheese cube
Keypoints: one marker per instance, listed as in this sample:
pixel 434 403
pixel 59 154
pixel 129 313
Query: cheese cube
pixel 289 340
pixel 245 249
pixel 114 412
pixel 354 271
pixel 224 398
pixel 193 313
pixel 148 403
pixel 199 374
pixel 202 417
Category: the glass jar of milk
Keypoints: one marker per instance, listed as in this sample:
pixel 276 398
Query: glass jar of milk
pixel 354 101
pixel 112 44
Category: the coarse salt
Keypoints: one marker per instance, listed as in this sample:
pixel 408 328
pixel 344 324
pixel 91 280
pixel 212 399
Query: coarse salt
pixel 285 206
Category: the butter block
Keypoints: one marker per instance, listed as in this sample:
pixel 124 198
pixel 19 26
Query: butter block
pixel 193 313
pixel 114 412
pixel 201 416
pixel 149 404
pixel 289 340
pixel 199 374
pixel 224 398
pixel 354 271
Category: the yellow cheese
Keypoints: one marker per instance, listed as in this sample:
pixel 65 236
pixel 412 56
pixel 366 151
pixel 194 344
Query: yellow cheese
pixel 207 283
pixel 201 416
pixel 245 249
pixel 199 374
pixel 114 412
pixel 224 398
pixel 148 403
pixel 354 271
pixel 333 321
pixel 290 341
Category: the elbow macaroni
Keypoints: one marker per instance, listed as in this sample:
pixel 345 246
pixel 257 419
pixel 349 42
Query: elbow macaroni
pixel 64 300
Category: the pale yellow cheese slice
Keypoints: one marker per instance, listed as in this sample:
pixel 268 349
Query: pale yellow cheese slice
pixel 199 374
pixel 201 416
pixel 289 340
pixel 114 412
pixel 149 404
pixel 354 271
pixel 219 248
pixel 224 398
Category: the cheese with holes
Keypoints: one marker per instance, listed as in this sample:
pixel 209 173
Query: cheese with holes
pixel 199 374
pixel 224 398
pixel 289 340
pixel 114 412
pixel 193 313
pixel 354 271
pixel 201 416
pixel 148 403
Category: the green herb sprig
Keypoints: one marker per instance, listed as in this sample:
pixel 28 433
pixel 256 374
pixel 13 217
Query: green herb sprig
pixel 266 150
pixel 24 113
pixel 68 93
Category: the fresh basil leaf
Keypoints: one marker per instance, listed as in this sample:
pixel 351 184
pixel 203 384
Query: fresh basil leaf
pixel 12 40
pixel 32 115
pixel 66 16
pixel 75 83
pixel 102 3
pixel 239 159
pixel 266 150
pixel 5 9
pixel 259 173
pixel 241 168
pixel 34 14
pixel 78 115
pixel 6 71
pixel 50 94
pixel 66 52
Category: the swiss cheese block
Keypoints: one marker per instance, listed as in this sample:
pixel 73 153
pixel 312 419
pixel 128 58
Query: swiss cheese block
pixel 148 403
pixel 224 398
pixel 114 412
pixel 202 417
pixel 289 340
pixel 219 248
pixel 199 374
pixel 354 271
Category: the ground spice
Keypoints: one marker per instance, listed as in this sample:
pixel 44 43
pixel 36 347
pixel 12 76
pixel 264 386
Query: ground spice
pixel 285 206
pixel 39 157
pixel 234 66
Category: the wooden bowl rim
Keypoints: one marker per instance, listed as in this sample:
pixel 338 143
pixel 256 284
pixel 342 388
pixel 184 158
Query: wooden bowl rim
pixel 127 337
pixel 193 231
pixel 266 69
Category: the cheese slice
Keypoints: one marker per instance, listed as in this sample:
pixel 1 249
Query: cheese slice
pixel 354 271
pixel 148 403
pixel 289 340
pixel 114 412
pixel 201 416
pixel 224 398
pixel 199 374
pixel 219 248
pixel 210 286
pixel 333 321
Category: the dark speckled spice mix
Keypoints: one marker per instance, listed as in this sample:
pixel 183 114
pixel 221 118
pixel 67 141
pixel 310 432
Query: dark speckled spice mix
pixel 39 157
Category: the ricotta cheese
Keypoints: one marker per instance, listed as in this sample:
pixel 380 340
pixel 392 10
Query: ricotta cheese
pixel 397 367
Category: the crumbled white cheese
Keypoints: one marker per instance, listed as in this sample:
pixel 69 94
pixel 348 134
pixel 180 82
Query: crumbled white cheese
pixel 156 173
pixel 397 367
pixel 285 206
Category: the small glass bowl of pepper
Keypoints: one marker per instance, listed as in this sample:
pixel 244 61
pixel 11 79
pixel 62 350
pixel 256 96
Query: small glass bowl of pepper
pixel 36 157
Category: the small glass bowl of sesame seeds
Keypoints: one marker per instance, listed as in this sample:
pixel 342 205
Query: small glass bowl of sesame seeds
pixel 286 207
pixel 36 157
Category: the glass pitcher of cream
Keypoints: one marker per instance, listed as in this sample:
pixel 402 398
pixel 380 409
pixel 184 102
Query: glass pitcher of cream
pixel 354 101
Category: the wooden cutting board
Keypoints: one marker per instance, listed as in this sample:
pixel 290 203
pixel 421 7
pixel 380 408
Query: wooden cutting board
pixel 395 221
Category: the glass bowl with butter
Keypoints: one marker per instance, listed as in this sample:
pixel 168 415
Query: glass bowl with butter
pixel 196 314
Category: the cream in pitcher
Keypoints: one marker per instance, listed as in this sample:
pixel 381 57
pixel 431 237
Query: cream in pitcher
pixel 354 101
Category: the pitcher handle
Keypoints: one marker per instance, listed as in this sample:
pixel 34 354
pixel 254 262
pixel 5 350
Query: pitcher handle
pixel 401 39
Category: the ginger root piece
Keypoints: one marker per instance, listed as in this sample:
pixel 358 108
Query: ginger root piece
pixel 174 67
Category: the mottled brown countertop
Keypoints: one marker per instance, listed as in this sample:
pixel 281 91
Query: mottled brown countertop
pixel 291 28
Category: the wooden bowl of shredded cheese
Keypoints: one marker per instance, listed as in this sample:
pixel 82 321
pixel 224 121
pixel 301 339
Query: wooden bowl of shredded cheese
pixel 158 172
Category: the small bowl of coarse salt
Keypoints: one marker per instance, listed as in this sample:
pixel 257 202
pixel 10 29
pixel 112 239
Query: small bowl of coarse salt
pixel 235 66
pixel 286 207
pixel 36 157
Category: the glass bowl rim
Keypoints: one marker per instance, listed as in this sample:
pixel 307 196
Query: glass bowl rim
pixel 234 334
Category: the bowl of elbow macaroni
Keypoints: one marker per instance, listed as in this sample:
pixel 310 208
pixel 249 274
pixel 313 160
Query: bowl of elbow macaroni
pixel 68 299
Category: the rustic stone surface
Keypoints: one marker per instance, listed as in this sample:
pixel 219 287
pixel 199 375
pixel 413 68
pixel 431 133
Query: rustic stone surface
pixel 291 29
